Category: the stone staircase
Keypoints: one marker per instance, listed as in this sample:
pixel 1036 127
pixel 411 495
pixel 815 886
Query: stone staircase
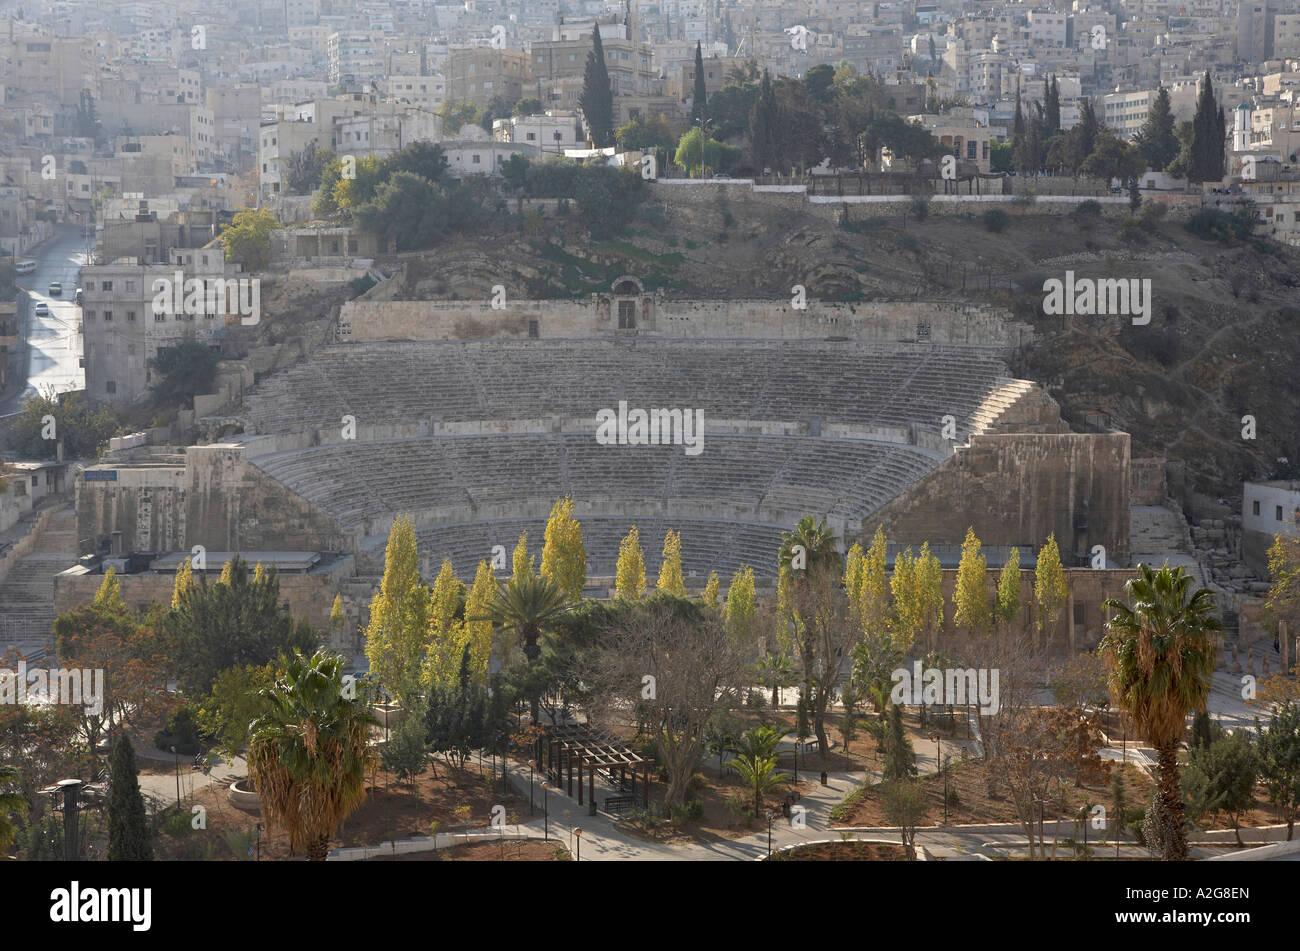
pixel 1016 406
pixel 27 591
pixel 1158 534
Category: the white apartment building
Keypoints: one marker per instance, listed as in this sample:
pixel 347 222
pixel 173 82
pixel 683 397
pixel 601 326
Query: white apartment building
pixel 553 131
pixel 1267 509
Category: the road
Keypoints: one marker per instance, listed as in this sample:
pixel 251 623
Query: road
pixel 54 343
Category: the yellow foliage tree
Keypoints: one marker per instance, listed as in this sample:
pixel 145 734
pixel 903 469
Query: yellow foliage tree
pixel 564 557
pixel 710 595
pixel 448 635
pixel 1051 590
pixel 108 599
pixel 478 605
pixel 972 593
pixel 742 608
pixel 520 563
pixel 184 581
pixel 670 572
pixel 629 579
pixel 397 631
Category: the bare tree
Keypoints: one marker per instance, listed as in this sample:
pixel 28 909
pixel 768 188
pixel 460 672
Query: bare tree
pixel 823 632
pixel 676 664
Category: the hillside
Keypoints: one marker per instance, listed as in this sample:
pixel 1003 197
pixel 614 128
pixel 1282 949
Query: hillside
pixel 1223 341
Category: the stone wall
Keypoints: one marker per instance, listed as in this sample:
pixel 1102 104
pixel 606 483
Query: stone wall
pixel 1014 489
pixel 216 499
pixel 1147 481
pixel 951 323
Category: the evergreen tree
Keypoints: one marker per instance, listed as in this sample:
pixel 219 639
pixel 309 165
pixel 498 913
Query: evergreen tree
pixel 597 99
pixel 900 758
pixel 1207 160
pixel 763 122
pixel 564 557
pixel 629 580
pixel 1051 108
pixel 1156 140
pixel 129 838
pixel 670 571
pixel 972 592
pixel 700 96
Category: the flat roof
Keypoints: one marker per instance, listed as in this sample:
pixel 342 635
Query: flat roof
pixel 216 560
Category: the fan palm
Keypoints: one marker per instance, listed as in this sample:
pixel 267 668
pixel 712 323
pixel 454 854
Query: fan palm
pixel 307 754
pixel 527 606
pixel 759 773
pixel 10 802
pixel 760 742
pixel 819 545
pixel 1160 657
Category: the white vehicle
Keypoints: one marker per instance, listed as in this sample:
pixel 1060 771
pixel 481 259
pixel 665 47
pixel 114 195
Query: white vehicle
pixel 56 289
pixel 42 309
pixel 25 267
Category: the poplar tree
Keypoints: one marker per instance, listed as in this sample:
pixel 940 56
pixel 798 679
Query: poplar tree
pixel 929 592
pixel 108 599
pixel 972 594
pixel 670 571
pixel 710 595
pixel 1050 587
pixel 184 581
pixel 398 627
pixel 629 578
pixel 448 638
pixel 1009 589
pixel 129 839
pixel 872 608
pixel 478 604
pixel 597 99
pixel 521 564
pixel 742 608
pixel 336 615
pixel 908 616
pixel 564 556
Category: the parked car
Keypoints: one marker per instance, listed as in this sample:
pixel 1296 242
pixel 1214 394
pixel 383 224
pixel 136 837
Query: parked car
pixel 77 297
pixel 42 309
pixel 56 289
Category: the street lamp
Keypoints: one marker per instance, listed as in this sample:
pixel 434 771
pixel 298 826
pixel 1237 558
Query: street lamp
pixel 770 816
pixel 546 806
pixel 578 853
pixel 531 765
pixel 178 777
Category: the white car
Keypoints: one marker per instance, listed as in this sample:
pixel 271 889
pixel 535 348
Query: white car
pixel 42 309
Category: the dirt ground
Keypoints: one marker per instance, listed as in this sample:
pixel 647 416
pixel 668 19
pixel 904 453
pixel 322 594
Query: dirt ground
pixel 455 799
pixel 516 850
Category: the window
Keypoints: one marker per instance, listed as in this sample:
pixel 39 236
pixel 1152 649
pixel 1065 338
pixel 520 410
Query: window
pixel 1254 507
pixel 1080 613
pixel 627 315
pixel 110 386
pixel 1277 513
pixel 108 316
pixel 107 286
pixel 160 317
pixel 130 315
pixel 478 159
pixel 533 329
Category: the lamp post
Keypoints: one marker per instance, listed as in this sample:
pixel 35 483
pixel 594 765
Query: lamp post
pixel 531 766
pixel 578 853
pixel 546 806
pixel 770 816
pixel 178 777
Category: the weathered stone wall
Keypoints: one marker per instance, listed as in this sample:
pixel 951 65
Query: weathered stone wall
pixel 216 499
pixel 952 323
pixel 1015 489
pixel 1147 480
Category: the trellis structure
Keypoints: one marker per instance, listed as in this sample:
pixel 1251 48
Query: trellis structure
pixel 576 746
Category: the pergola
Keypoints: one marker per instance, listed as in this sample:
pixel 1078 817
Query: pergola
pixel 576 744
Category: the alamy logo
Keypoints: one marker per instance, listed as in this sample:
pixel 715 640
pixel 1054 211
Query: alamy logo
pixel 956 687
pixel 656 427
pixel 70 687
pixel 1086 296
pixel 76 904
pixel 798 37
pixel 216 297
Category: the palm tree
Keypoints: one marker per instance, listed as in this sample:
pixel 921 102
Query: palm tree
pixel 820 548
pixel 760 742
pixel 307 755
pixel 776 671
pixel 9 803
pixel 1160 656
pixel 759 774
pixel 527 606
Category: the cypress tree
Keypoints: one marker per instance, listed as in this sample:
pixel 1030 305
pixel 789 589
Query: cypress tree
pixel 1052 107
pixel 762 125
pixel 700 97
pixel 129 839
pixel 1156 140
pixel 1207 137
pixel 900 759
pixel 597 99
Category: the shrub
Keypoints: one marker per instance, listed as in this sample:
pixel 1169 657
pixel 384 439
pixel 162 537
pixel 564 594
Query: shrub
pixel 1132 232
pixel 1088 209
pixel 996 220
pixel 1151 216
pixel 908 242
pixel 1215 225
pixel 921 206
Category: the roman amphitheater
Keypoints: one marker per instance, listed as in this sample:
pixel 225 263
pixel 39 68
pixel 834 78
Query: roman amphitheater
pixel 474 420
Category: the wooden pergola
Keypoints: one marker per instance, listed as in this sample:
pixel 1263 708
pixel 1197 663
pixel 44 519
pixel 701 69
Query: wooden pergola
pixel 572 745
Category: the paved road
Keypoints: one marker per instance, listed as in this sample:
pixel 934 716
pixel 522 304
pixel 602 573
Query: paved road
pixel 54 343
